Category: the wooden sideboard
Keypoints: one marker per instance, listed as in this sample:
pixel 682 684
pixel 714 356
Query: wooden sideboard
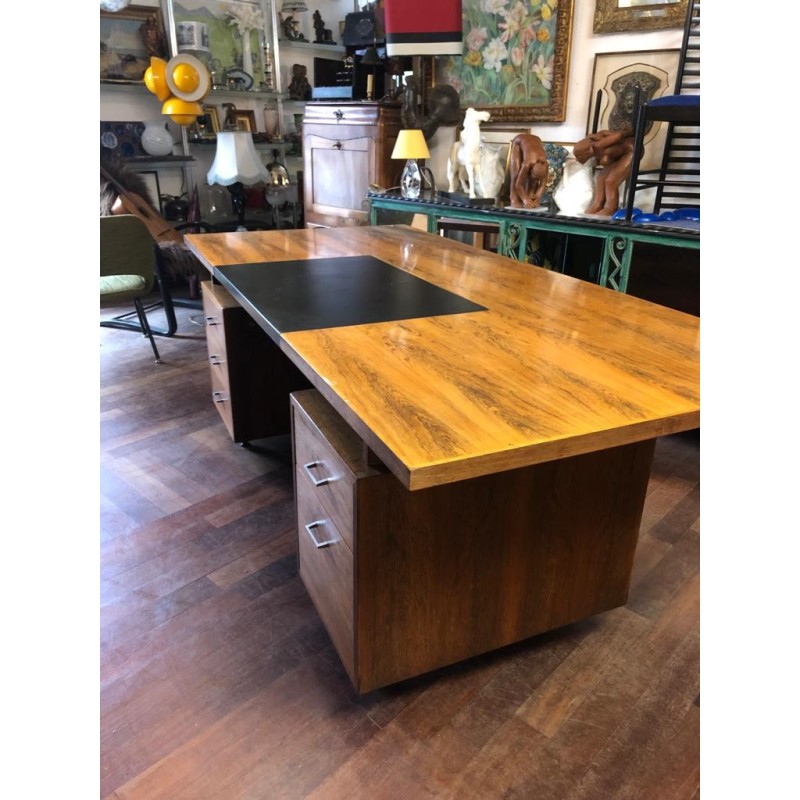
pixel 346 147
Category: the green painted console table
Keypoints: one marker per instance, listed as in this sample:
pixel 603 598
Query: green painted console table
pixel 516 225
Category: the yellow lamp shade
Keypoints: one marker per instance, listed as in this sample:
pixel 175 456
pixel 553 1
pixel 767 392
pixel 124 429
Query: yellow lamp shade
pixel 155 78
pixel 187 77
pixel 182 112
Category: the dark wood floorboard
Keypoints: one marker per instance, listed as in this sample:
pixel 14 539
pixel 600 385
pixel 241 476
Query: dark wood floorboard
pixel 218 681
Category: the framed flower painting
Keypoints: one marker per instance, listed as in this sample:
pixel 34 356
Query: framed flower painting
pixel 515 59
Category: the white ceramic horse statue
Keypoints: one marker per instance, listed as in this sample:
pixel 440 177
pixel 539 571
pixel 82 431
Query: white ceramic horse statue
pixel 466 153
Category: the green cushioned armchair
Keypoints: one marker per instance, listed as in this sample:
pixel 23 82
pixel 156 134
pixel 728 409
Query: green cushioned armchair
pixel 127 270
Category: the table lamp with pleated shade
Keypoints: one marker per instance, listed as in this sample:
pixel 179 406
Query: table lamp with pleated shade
pixel 236 165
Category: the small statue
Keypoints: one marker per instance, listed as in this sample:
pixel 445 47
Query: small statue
pixel 151 36
pixel 319 28
pixel 614 152
pixel 528 171
pixel 465 154
pixel 228 117
pixel 443 103
pixel 299 88
pixel 291 29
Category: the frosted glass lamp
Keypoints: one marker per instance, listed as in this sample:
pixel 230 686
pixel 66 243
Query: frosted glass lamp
pixel 293 6
pixel 411 146
pixel 236 165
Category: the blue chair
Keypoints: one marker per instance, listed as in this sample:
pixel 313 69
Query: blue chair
pixel 677 179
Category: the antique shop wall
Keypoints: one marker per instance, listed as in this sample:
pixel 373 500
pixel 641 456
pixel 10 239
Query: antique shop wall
pixel 141 105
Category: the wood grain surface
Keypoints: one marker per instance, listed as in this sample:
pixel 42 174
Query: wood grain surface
pixel 555 367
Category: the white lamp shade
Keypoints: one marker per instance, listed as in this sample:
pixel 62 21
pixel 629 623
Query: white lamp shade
pixel 236 160
pixel 410 144
pixel 290 6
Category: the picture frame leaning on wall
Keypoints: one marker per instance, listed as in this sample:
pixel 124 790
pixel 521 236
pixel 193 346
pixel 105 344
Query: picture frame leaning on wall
pixel 616 76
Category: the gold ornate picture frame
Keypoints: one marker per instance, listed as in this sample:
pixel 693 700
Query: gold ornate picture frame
pixel 517 67
pixel 615 16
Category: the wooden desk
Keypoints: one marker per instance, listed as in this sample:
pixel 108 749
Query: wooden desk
pixel 483 473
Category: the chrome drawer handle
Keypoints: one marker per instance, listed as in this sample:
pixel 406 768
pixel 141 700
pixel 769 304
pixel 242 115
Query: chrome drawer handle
pixel 337 145
pixel 216 361
pixel 317 543
pixel 317 481
pixel 218 397
pixel 211 321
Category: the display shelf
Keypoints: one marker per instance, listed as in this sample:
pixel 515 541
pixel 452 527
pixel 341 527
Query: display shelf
pixel 249 94
pixel 168 160
pixel 334 51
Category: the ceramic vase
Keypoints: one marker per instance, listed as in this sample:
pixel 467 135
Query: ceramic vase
pixel 156 139
pixel 271 122
pixel 575 191
pixel 247 54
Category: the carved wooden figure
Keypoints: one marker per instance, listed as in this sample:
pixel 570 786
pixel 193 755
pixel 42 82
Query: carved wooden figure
pixel 527 171
pixel 614 152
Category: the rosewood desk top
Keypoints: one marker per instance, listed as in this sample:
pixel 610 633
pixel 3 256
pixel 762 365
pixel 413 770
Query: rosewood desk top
pixel 547 366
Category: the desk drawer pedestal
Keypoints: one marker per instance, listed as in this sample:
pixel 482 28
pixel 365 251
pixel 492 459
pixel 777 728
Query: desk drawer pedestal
pixel 250 378
pixel 406 582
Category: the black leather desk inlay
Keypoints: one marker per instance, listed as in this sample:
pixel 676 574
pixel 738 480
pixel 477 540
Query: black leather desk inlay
pixel 332 292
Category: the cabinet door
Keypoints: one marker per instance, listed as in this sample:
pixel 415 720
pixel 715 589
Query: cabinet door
pixel 337 174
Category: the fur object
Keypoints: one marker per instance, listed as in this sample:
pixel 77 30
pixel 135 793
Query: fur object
pixel 176 259
pixel 125 177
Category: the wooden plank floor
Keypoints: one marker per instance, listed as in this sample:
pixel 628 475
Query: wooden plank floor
pixel 219 682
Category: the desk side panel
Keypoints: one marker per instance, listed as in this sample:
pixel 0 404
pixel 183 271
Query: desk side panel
pixel 450 572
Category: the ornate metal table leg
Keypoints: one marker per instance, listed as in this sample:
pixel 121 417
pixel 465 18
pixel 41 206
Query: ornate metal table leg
pixel 513 240
pixel 616 263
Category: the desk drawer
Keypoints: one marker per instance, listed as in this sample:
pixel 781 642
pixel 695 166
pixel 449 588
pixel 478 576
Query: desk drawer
pixel 326 569
pixel 221 396
pixel 326 474
pixel 217 346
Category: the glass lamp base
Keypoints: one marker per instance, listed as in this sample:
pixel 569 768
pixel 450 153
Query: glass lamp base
pixel 411 180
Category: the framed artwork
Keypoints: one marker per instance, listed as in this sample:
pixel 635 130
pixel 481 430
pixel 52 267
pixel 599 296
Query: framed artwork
pixel 615 79
pixel 614 16
pixel 206 126
pixel 515 60
pixel 227 35
pixel 244 120
pixel 127 40
pixel 153 187
pixel 213 118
